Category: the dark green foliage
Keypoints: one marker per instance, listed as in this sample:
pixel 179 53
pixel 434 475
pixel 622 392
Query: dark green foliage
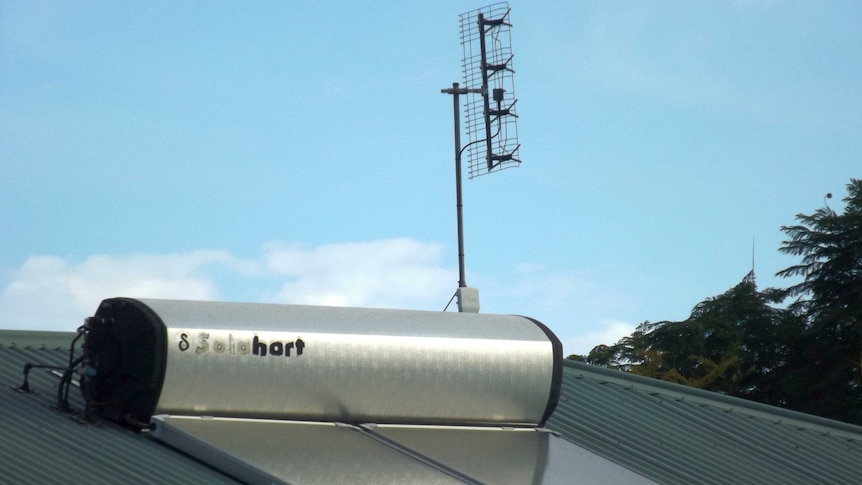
pixel 806 357
pixel 826 373
pixel 732 343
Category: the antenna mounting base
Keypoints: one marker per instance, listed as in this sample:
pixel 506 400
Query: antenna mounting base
pixel 468 299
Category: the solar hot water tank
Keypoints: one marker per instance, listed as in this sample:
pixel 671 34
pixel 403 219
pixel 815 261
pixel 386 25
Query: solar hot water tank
pixel 310 363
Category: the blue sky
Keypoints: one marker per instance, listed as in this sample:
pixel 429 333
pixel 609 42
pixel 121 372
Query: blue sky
pixel 301 152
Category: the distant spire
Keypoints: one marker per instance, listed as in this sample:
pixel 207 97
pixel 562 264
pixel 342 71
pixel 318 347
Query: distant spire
pixel 752 254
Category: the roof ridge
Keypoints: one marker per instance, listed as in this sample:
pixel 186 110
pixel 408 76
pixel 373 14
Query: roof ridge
pixel 36 338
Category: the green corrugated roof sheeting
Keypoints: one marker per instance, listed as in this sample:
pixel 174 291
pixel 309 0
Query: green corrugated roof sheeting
pixel 667 432
pixel 675 434
pixel 39 444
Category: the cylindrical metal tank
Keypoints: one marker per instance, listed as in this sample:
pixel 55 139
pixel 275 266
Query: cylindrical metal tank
pixel 354 365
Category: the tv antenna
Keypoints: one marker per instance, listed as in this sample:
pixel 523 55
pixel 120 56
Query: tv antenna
pixel 491 120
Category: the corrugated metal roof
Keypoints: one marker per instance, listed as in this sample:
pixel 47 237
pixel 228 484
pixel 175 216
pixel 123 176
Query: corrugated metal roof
pixel 667 432
pixel 40 444
pixel 677 434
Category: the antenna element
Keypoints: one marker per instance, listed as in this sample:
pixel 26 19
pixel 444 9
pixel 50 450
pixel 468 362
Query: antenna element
pixel 491 119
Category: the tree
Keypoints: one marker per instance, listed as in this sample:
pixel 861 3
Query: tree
pixel 806 357
pixel 732 343
pixel 826 372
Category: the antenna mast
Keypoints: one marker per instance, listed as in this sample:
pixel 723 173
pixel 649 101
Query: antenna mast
pixel 492 130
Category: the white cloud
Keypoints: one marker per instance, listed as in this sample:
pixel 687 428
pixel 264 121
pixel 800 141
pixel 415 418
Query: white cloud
pixel 49 292
pixel 52 293
pixel 573 297
pixel 609 332
pixel 388 273
pixel 583 308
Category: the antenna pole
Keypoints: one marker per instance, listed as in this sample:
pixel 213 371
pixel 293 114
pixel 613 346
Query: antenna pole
pixel 456 91
pixel 459 202
pixel 468 298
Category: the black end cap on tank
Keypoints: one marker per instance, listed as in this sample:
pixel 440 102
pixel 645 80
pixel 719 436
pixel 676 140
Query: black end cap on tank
pixel 556 372
pixel 125 346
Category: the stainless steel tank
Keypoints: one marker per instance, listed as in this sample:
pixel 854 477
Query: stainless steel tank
pixel 354 365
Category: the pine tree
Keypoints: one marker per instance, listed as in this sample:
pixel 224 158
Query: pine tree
pixel 825 374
